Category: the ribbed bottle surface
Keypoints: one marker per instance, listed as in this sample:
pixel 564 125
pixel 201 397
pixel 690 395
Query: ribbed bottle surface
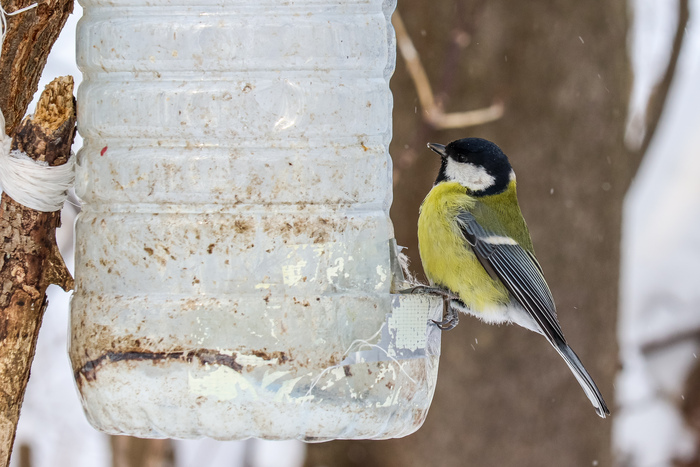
pixel 233 250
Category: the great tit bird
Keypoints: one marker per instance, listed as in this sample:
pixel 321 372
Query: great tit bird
pixel 477 252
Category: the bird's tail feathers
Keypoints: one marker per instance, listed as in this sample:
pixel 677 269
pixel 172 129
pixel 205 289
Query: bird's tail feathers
pixel 583 378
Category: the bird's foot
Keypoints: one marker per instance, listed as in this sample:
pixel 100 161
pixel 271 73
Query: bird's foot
pixel 449 313
pixel 450 318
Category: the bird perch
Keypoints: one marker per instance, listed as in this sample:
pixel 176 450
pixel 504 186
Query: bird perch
pixel 30 259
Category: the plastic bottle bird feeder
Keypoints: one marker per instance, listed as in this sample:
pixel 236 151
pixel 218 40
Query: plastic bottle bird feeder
pixel 235 259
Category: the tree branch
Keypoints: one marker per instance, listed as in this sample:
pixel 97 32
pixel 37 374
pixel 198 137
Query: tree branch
pixel 29 259
pixel 30 36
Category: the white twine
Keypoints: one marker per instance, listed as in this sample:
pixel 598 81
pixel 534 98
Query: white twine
pixel 31 183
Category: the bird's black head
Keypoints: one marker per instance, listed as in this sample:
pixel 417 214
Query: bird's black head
pixel 475 163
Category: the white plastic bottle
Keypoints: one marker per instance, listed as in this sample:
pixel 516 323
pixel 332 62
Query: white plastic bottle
pixel 234 251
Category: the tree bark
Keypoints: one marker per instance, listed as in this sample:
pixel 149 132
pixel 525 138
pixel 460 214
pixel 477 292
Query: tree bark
pixel 30 260
pixel 30 36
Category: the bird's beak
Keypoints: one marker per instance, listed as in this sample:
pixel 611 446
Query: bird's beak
pixel 438 148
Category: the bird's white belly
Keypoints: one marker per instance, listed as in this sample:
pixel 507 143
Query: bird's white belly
pixel 502 314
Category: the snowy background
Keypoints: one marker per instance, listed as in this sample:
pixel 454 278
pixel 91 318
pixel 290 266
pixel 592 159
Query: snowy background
pixel 659 296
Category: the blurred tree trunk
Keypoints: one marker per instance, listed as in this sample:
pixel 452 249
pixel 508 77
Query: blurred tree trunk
pixel 128 451
pixel 504 396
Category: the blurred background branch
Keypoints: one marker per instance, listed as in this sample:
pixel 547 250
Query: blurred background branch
pixel 433 112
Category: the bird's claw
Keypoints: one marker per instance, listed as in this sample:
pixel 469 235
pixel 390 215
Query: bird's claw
pixel 450 317
pixel 447 324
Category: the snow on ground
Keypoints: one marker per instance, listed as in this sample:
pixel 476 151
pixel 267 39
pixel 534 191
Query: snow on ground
pixel 660 272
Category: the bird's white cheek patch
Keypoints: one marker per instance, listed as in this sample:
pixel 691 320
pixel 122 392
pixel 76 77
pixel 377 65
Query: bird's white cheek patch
pixel 472 176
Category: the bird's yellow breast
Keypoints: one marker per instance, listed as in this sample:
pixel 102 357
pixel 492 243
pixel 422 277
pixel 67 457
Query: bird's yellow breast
pixel 448 260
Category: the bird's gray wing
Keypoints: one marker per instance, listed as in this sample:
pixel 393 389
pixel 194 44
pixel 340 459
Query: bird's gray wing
pixel 505 260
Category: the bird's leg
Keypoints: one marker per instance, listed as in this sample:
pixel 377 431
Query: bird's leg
pixel 425 289
pixel 450 316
